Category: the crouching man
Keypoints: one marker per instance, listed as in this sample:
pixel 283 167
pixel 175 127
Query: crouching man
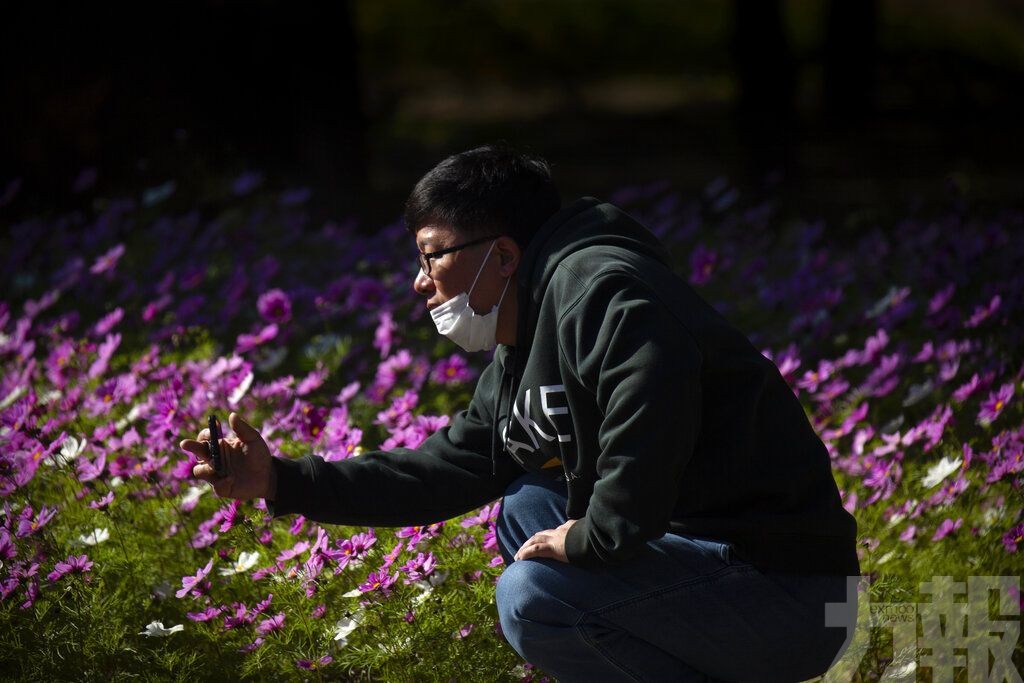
pixel 668 511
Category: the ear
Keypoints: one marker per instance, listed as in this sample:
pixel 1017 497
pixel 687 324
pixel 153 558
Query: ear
pixel 509 255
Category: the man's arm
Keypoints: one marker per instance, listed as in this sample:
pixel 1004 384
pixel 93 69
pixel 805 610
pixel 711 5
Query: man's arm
pixel 447 475
pixel 644 369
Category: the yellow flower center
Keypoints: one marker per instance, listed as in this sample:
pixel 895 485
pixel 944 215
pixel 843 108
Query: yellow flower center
pixel 999 405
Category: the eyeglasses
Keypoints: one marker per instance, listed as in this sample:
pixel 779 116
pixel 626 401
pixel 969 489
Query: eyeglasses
pixel 424 259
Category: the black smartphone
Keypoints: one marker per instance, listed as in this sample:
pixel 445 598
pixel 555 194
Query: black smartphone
pixel 215 437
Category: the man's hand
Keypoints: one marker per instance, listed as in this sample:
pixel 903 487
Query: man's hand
pixel 549 543
pixel 248 471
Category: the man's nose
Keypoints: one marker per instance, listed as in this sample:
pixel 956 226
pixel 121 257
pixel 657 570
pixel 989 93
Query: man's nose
pixel 423 285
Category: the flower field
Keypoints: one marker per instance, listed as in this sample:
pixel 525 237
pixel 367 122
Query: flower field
pixel 124 324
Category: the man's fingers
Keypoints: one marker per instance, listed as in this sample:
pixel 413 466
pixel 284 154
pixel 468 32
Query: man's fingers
pixel 242 429
pixel 198 448
pixel 204 471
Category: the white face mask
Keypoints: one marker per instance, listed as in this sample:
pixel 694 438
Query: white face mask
pixel 464 326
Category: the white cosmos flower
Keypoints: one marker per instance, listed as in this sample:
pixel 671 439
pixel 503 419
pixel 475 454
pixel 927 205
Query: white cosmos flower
pixel 69 450
pixel 156 628
pixel 344 628
pixel 940 471
pixel 193 494
pixel 244 563
pixel 95 537
pixel 241 389
pixel 13 396
pixel 354 593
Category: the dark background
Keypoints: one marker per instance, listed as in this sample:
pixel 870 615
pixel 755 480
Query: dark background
pixel 828 106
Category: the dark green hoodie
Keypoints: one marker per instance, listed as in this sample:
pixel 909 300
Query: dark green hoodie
pixel 658 413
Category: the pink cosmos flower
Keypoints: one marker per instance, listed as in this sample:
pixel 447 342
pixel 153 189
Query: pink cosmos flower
pixel 108 322
pixel 941 298
pixel 379 582
pixel 1013 538
pixel 451 370
pixel 248 342
pixel 310 665
pixel 982 313
pixel 947 527
pixel 193 583
pixel 268 626
pixel 108 260
pixel 418 568
pixel 206 614
pixel 28 525
pixel 994 404
pixel 103 502
pixel 703 262
pixel 275 306
pixel 74 564
pixel 384 335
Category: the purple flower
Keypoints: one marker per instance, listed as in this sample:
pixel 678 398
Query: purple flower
pixel 310 665
pixel 108 322
pixel 451 370
pixel 419 567
pixel 384 336
pixel 275 306
pixel 1013 538
pixel 941 298
pixel 103 502
pixel 78 564
pixel 947 527
pixel 981 313
pixel 994 404
pixel 192 583
pixel 248 342
pixel 268 626
pixel 91 469
pixel 351 549
pixel 205 615
pixel 379 582
pixel 106 350
pixel 312 381
pixel 246 183
pixel 107 261
pixel 8 551
pixel 251 647
pixel 703 262
pixel 28 525
pixel 486 515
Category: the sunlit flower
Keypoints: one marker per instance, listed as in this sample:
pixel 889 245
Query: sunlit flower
pixel 192 584
pixel 244 563
pixel 344 628
pixel 268 626
pixel 1013 538
pixel 94 537
pixel 156 629
pixel 79 564
pixel 940 470
pixel 994 404
pixel 947 527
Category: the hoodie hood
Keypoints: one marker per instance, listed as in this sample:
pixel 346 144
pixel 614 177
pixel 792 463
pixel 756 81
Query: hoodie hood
pixel 584 223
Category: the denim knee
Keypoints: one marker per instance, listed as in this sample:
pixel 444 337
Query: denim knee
pixel 529 613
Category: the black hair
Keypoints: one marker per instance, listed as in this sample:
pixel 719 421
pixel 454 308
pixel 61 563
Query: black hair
pixel 492 189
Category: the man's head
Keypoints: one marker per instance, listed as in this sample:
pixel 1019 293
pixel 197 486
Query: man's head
pixel 472 215
pixel 487 190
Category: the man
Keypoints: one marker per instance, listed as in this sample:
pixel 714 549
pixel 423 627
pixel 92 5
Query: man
pixel 668 511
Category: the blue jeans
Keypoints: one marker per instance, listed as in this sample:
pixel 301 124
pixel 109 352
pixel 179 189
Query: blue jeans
pixel 682 609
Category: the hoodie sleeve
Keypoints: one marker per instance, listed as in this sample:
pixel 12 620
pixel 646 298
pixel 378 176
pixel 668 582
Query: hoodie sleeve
pixel 643 368
pixel 447 475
